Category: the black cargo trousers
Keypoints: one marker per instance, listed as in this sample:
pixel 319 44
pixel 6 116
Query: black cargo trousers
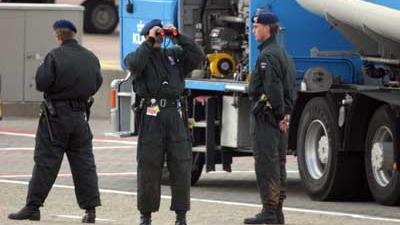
pixel 163 137
pixel 72 136
pixel 269 149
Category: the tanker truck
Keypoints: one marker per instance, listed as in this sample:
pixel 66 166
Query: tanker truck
pixel 345 125
pixel 100 16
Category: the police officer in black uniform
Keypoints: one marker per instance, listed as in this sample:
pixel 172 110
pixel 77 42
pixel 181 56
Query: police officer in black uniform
pixel 159 80
pixel 69 76
pixel 271 91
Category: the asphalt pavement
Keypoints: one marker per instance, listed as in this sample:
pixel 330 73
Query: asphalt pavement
pixel 218 197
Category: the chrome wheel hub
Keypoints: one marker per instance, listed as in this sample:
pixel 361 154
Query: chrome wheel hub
pixel 317 150
pixel 382 156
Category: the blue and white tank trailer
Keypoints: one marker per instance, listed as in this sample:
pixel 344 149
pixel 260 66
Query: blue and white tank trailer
pixel 345 126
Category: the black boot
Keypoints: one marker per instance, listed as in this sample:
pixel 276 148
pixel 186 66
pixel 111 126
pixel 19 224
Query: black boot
pixel 180 222
pixel 279 214
pixel 180 218
pixel 26 213
pixel 90 216
pixel 145 219
pixel 266 216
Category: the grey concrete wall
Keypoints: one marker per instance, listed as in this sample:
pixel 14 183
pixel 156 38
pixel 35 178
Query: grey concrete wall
pixel 100 108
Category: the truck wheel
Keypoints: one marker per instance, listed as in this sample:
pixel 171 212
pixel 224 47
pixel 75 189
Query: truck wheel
pixel 382 174
pixel 100 16
pixel 326 173
pixel 197 168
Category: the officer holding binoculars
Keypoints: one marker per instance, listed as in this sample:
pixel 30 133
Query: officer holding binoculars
pixel 159 79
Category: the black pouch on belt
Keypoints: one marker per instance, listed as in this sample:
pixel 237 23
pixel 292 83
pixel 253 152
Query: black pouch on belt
pixel 263 110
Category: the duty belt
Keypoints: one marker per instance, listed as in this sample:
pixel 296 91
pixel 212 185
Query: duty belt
pixel 162 102
pixel 78 105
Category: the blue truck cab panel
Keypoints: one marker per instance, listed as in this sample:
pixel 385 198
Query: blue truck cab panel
pixel 143 12
pixel 387 3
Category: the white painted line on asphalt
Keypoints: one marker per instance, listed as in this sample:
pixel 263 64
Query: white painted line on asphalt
pixel 311 211
pixel 114 141
pixel 112 147
pixel 247 171
pixel 80 217
pixel 17 134
pixel 26 183
pixel 95 148
pixel 29 149
pixel 94 140
pixel 70 175
pixel 122 174
pixel 241 204
pixel 16 176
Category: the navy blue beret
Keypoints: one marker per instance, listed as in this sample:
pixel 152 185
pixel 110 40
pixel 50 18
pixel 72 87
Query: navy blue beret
pixel 265 18
pixel 64 24
pixel 147 27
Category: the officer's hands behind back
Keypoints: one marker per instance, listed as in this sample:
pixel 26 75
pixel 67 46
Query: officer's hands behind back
pixel 284 124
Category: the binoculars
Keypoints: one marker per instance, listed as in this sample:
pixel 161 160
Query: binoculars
pixel 167 32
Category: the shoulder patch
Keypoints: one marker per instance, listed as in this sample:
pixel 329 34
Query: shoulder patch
pixel 263 65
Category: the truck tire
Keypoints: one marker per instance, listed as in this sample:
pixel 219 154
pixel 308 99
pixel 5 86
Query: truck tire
pixel 197 168
pixel 382 175
pixel 101 16
pixel 327 173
